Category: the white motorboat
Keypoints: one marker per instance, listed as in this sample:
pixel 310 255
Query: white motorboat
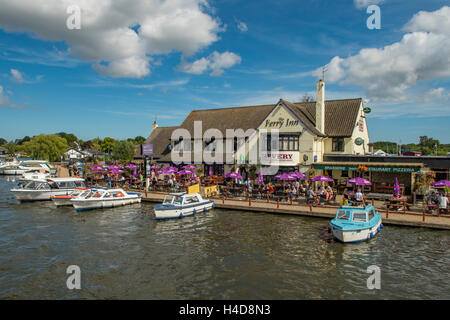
pixel 29 176
pixel 64 200
pixel 178 205
pixel 19 168
pixel 104 198
pixel 36 190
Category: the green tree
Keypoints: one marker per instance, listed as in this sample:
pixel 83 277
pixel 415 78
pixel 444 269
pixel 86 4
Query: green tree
pixel 3 141
pixel 46 147
pixel 139 140
pixel 70 137
pixel 107 145
pixel 12 148
pixel 123 150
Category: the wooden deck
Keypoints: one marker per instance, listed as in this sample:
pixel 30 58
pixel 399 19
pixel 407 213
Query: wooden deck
pixel 398 218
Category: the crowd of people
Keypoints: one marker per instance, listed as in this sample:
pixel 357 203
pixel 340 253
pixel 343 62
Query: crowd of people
pixel 437 199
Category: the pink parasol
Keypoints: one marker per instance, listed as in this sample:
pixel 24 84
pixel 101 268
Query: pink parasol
pixel 260 177
pixel 441 184
pixel 359 182
pixel 322 178
pixel 286 176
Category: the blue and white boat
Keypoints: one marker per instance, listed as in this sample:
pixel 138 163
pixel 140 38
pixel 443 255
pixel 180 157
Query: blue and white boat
pixel 179 205
pixel 353 224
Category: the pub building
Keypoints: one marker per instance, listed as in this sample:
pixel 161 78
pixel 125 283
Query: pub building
pixel 328 137
pixel 306 132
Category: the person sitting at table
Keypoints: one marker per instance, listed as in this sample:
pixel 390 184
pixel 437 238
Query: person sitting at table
pixel 346 195
pixel 322 195
pixel 443 201
pixel 330 193
pixel 359 197
pixel 310 197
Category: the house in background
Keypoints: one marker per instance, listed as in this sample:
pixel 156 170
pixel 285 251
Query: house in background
pixel 74 154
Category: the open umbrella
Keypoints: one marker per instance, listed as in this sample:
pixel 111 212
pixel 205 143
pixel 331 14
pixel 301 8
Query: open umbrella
pixel 113 167
pixel 359 182
pixel 117 171
pixel 298 175
pixel 322 178
pixel 159 172
pixel 155 167
pixel 169 170
pixel 233 175
pixel 130 166
pixel 441 184
pixel 397 190
pixel 189 167
pixel 210 171
pixel 286 177
pixel 97 168
pixel 183 172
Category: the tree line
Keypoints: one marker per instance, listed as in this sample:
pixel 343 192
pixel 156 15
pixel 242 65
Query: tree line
pixel 53 146
pixel 427 146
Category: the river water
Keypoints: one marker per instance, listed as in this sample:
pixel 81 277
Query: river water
pixel 123 253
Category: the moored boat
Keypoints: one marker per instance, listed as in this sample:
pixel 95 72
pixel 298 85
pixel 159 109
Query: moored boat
pixel 104 198
pixel 178 205
pixel 64 200
pixel 44 189
pixel 356 223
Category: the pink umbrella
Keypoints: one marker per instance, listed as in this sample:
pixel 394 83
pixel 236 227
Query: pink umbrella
pixel 97 168
pixel 322 178
pixel 397 190
pixel 159 172
pixel 210 170
pixel 117 171
pixel 131 166
pixel 298 175
pixel 286 176
pixel 183 172
pixel 260 177
pixel 441 184
pixel 189 166
pixel 155 167
pixel 359 182
pixel 170 170
pixel 233 175
pixel 113 167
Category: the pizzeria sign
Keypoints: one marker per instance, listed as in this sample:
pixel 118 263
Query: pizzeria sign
pixel 370 169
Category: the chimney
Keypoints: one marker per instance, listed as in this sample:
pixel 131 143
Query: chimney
pixel 320 106
pixel 154 126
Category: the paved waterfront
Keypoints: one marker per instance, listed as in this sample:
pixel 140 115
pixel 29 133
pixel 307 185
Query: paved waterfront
pixel 124 253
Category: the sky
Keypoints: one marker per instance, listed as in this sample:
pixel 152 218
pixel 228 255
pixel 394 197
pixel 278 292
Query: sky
pixel 131 62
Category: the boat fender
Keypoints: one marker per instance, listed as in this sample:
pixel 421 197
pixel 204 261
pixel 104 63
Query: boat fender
pixel 329 230
pixel 378 229
pixel 214 205
pixel 195 211
pixel 381 226
pixel 204 209
pixel 371 235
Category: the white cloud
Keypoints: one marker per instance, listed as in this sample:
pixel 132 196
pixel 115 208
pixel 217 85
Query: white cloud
pixel 17 76
pixel 5 102
pixel 215 62
pixel 437 21
pixel 117 37
pixel 360 4
pixel 433 94
pixel 386 73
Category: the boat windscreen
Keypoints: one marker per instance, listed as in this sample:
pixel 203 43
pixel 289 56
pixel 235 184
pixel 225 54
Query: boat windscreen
pixel 343 215
pixel 168 199
pixel 359 216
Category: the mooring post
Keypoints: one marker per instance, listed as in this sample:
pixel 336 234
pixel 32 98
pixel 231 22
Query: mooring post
pixel 249 202
pixel 423 215
pixel 387 213
pixel 278 203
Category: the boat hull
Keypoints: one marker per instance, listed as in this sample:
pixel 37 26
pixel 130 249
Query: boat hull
pixel 91 204
pixel 355 235
pixel 163 212
pixel 61 201
pixel 13 172
pixel 39 195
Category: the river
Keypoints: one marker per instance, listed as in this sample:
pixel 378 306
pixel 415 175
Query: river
pixel 123 253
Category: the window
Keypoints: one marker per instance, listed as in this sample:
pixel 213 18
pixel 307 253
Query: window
pixel 344 174
pixel 338 145
pixel 285 143
pixel 371 214
pixel 359 216
pixel 343 215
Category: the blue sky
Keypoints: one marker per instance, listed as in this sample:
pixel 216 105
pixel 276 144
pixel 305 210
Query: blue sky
pixel 103 81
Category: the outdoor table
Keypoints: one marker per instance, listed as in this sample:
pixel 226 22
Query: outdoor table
pixel 397 204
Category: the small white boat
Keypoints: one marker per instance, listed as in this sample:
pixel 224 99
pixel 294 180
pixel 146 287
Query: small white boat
pixel 44 189
pixel 179 205
pixel 29 176
pixel 353 224
pixel 19 168
pixel 64 200
pixel 104 198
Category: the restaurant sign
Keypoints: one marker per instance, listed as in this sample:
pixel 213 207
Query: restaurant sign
pixel 147 149
pixel 370 169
